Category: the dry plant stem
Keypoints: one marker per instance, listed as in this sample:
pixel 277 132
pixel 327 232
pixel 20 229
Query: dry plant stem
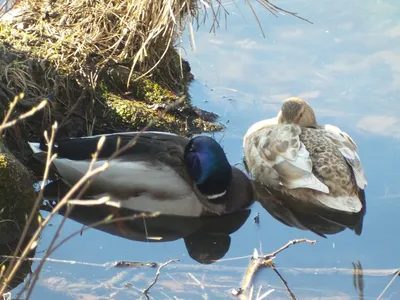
pixel 51 215
pixel 273 9
pixel 84 180
pixel 35 277
pixel 12 268
pixel 388 285
pixel 6 124
pixel 262 261
pixel 291 294
pixel 28 114
pixel 51 250
pixel 290 243
pixel 255 16
pixel 145 292
pixel 10 109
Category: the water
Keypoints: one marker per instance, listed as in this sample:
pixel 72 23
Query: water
pixel 347 65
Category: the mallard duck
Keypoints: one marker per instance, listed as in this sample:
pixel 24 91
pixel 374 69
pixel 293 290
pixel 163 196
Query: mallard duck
pixel 162 172
pixel 316 164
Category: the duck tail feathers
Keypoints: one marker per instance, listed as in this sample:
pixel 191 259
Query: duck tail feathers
pixel 35 147
pixel 39 147
pixel 358 228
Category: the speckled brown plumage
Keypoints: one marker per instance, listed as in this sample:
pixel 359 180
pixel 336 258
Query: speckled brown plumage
pixel 329 165
pixel 316 164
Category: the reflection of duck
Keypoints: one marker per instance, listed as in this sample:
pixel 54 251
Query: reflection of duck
pixel 293 213
pixel 162 172
pixel 315 164
pixel 206 238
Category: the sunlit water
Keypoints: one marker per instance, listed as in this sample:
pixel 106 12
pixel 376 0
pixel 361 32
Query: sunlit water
pixel 347 65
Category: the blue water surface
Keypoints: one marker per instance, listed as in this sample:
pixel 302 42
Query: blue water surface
pixel 347 66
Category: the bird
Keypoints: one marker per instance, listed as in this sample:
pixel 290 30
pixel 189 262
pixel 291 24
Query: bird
pixel 162 172
pixel 317 165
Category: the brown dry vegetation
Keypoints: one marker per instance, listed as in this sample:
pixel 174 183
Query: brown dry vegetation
pixel 104 65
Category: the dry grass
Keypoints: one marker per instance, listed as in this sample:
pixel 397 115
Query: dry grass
pixel 84 36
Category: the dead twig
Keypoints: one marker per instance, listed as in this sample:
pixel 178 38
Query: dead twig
pixel 290 243
pixel 146 291
pixel 15 264
pixel 6 123
pixel 274 10
pixel 258 261
pixel 291 294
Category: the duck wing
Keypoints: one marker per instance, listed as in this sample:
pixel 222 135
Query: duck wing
pixel 348 149
pixel 284 158
pixel 136 183
pixel 151 149
pixel 148 142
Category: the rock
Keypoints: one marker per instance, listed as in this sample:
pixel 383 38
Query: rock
pixel 17 197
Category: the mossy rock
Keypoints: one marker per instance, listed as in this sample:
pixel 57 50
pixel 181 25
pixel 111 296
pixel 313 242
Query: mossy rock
pixel 17 197
pixel 131 114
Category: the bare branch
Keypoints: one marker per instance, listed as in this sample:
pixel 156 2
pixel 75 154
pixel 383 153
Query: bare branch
pixel 146 291
pixel 291 294
pixel 388 285
pixel 258 261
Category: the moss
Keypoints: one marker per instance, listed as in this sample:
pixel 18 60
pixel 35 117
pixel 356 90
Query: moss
pixel 3 162
pixel 17 196
pixel 136 114
pixel 145 101
pixel 152 92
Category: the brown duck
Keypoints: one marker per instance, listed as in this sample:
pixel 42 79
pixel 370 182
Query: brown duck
pixel 315 164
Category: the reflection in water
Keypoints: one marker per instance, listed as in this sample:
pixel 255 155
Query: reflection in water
pixel 291 294
pixel 358 279
pixel 7 250
pixel 305 216
pixel 206 238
